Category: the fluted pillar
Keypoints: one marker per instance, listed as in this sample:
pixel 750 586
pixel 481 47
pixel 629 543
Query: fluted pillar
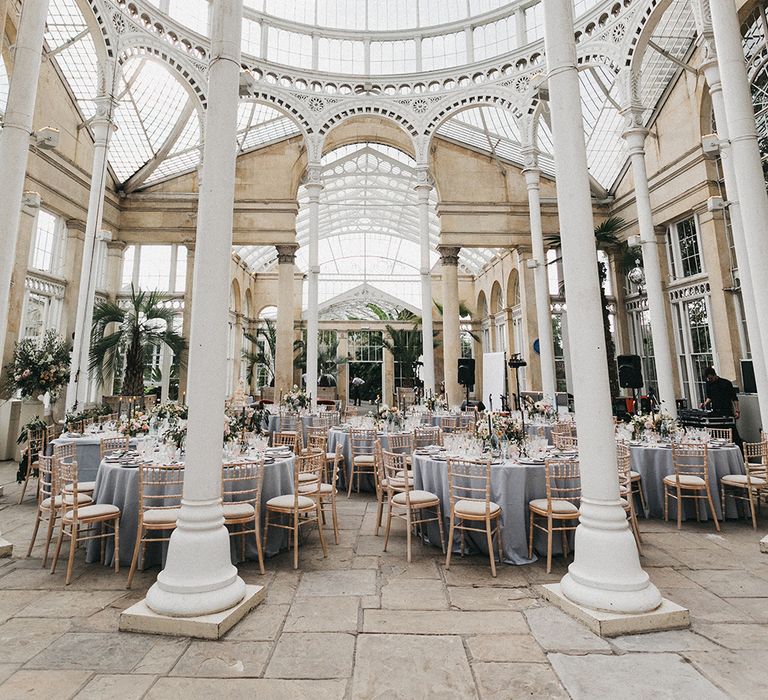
pixel 745 154
pixel 14 140
pixel 449 261
pixel 634 135
pixel 606 572
pixel 423 190
pixel 199 577
pixel 103 126
pixel 286 260
pixel 313 187
pixel 186 316
pixel 712 76
pixel 541 284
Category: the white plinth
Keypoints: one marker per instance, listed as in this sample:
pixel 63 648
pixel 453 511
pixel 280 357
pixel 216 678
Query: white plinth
pixel 668 616
pixel 6 548
pixel 139 618
pixel 764 545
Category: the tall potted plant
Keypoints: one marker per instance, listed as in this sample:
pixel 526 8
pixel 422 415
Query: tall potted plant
pixel 135 333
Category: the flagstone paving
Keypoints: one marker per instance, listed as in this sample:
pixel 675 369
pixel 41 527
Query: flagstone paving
pixel 365 624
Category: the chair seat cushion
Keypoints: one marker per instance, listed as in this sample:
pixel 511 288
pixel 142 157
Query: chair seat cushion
pixel 82 487
pixel 634 475
pixel 417 497
pixel 94 512
pixel 161 516
pixel 82 499
pixel 741 480
pixel 236 511
pixel 306 477
pixel 312 489
pixel 330 455
pixel 395 483
pixel 475 508
pixel 287 502
pixel 364 459
pixel 558 506
pixel 685 480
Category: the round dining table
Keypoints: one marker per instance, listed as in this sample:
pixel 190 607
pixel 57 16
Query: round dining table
pixel 88 451
pixel 118 484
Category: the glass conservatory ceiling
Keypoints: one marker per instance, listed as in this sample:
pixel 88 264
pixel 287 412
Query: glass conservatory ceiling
pixel 159 134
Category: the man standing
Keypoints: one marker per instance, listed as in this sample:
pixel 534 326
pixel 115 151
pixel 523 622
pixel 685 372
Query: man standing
pixel 722 399
pixel 357 383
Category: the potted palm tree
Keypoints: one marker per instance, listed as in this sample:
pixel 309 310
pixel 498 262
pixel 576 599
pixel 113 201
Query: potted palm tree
pixel 134 333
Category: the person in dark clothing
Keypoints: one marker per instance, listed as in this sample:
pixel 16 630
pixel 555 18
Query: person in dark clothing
pixel 722 399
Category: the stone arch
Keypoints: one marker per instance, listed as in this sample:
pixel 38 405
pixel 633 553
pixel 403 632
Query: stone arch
pixel 645 24
pixel 248 310
pixel 99 28
pixel 513 288
pixel 367 129
pixel 277 101
pixel 482 306
pixel 380 109
pixel 497 298
pixel 235 298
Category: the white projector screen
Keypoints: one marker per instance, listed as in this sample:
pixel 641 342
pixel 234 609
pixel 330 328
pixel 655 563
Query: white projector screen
pixel 494 378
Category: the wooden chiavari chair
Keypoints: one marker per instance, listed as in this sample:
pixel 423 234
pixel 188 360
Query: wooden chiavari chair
pixel 469 486
pixel 363 457
pixel 426 436
pixel 301 509
pixel 623 461
pixel 33 450
pixel 449 424
pixel 561 504
pixel 291 423
pixel 82 523
pixel 241 484
pixel 160 492
pixel 721 434
pixel 109 445
pixel 690 481
pixel 565 443
pixel 50 500
pixel 405 503
pixel 286 439
pixel 325 492
pixel 52 432
pixel 753 484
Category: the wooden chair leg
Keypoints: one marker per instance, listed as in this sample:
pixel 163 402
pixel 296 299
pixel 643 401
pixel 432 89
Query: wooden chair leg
pixel 679 508
pixel 408 534
pixel 295 540
pixel 666 503
pixel 714 512
pixel 335 517
pixel 135 557
pixel 117 546
pixel 320 530
pixel 564 541
pixel 643 502
pixel 500 541
pixel 259 550
pixel 751 496
pixel 440 527
pixel 489 539
pixel 38 517
pixel 72 548
pixel 549 545
pixel 58 549
pixel 379 510
pixel 266 530
pixel 449 549
pixel 530 536
pixel 49 536
pixel 351 479
pixel 389 524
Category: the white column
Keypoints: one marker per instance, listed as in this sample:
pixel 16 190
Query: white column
pixel 745 153
pixel 634 135
pixel 14 140
pixel 605 573
pixel 449 259
pixel 712 76
pixel 423 189
pixel 186 317
pixel 199 577
pixel 286 259
pixel 102 125
pixel 313 187
pixel 541 284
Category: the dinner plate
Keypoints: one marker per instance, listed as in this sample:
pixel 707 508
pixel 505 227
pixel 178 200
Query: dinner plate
pixel 530 462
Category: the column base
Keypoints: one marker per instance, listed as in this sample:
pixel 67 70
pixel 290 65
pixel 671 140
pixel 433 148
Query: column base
pixel 140 618
pixel 668 616
pixel 6 548
pixel 764 545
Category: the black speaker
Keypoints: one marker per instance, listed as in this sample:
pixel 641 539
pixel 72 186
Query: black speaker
pixel 467 371
pixel 748 377
pixel 630 372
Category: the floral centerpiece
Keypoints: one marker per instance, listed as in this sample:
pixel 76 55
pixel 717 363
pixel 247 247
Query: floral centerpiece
pixel 392 416
pixel 543 409
pixel 176 433
pixel 661 423
pixel 38 367
pixel 73 418
pixel 234 426
pixel 170 411
pixel 257 419
pixel 436 403
pixel 500 429
pixel 137 424
pixel 295 400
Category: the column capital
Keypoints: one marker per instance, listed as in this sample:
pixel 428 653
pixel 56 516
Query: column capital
pixel 313 181
pixel 449 255
pixel 31 200
pixel 116 247
pixel 531 159
pixel 286 253
pixel 424 182
pixel 74 227
pixel 634 130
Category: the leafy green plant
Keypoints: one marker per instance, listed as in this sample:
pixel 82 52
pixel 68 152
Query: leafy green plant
pixel 38 366
pixel 134 333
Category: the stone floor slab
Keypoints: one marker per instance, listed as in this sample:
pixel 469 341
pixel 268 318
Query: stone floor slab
pixel 402 666
pixel 69 603
pixel 556 631
pixel 319 655
pixel 661 676
pixel 443 622
pixel 246 689
pixel 106 653
pixel 705 606
pixel 260 625
pixel 51 685
pixel 671 641
pixel 23 638
pixel 464 598
pixel 741 675
pixel 725 584
pixel 414 594
pixel 330 614
pixel 505 648
pixel 337 583
pixel 505 681
pixel 223 659
pixel 124 687
pixel 735 636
